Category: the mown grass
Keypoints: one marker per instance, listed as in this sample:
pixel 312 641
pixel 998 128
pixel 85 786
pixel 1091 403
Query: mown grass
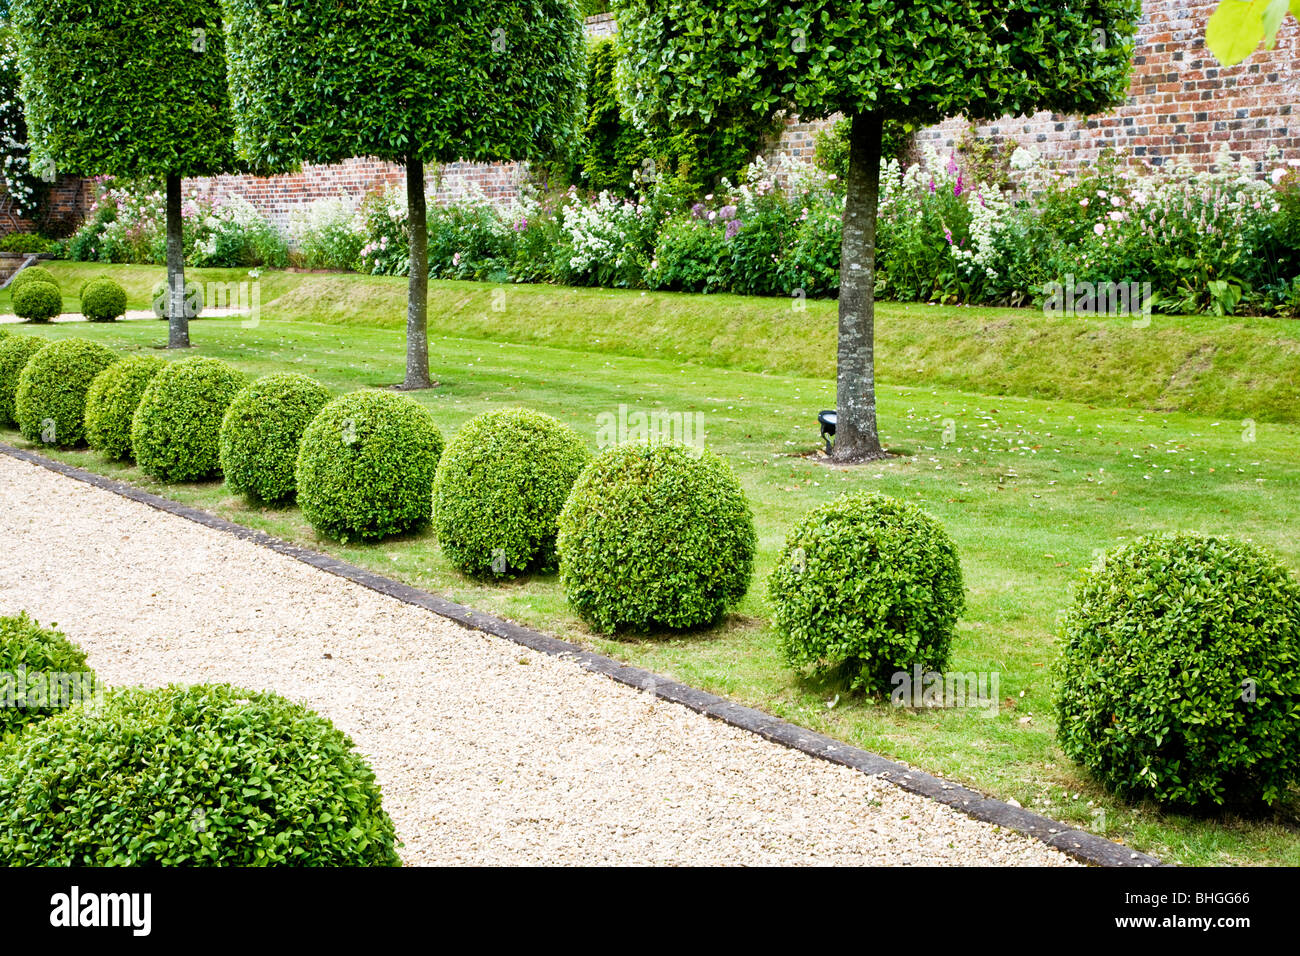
pixel 1031 489
pixel 1245 367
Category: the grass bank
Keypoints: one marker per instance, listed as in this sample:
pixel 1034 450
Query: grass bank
pixel 1228 368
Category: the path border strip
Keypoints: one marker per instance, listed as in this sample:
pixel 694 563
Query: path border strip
pixel 1079 844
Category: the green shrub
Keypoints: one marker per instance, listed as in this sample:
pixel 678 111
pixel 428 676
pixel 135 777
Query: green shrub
pixel 50 404
pixel 103 300
pixel 15 352
pixel 175 434
pixel 1180 672
pixel 366 466
pixel 32 274
pixel 499 489
pixel 26 243
pixel 38 301
pixel 261 432
pixel 40 673
pixel 655 536
pixel 190 776
pixel 111 402
pixel 866 586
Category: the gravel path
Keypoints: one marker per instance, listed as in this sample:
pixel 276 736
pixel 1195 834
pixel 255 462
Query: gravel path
pixel 132 315
pixel 488 752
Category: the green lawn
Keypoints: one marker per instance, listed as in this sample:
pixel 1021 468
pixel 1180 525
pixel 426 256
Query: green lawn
pixel 1031 488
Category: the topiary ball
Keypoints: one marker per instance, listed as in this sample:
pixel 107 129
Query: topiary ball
pixel 366 466
pixel 866 587
pixel 15 352
pixel 41 673
pixel 500 486
pixel 1180 672
pixel 32 274
pixel 175 434
pixel 111 402
pixel 103 300
pixel 190 776
pixel 38 302
pixel 261 432
pixel 50 404
pixel 655 536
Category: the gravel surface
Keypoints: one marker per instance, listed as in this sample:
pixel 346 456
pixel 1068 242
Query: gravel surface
pixel 488 752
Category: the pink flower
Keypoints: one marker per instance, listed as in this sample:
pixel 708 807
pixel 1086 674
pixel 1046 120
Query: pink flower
pixel 1099 229
pixel 956 189
pixel 455 259
pixel 1084 202
pixel 947 233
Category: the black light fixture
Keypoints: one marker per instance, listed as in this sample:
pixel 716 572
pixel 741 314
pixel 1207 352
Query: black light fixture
pixel 827 421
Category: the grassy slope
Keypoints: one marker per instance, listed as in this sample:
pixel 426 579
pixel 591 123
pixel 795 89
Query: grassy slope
pixel 1231 368
pixel 1030 490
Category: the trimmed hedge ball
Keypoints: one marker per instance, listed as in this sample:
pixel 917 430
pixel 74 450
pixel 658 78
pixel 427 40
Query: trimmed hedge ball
pixel 866 587
pixel 50 404
pixel 111 402
pixel 262 430
pixel 175 434
pixel 499 489
pixel 41 673
pixel 103 300
pixel 38 302
pixel 655 536
pixel 15 352
pixel 366 466
pixel 1180 673
pixel 190 776
pixel 32 274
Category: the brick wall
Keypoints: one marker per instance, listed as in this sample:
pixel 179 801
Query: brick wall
pixel 1181 104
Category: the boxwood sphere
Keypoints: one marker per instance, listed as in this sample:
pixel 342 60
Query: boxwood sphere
pixel 24 644
pixel 15 352
pixel 499 489
pixel 865 587
pixel 655 536
pixel 32 274
pixel 111 402
pixel 261 432
pixel 190 776
pixel 366 466
pixel 38 301
pixel 175 434
pixel 103 300
pixel 50 404
pixel 1180 672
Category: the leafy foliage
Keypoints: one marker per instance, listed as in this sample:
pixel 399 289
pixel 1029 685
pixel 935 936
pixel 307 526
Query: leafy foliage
pixel 177 426
pixel 93 82
pixel 499 489
pixel 26 650
pixel 32 274
pixel 191 776
pixel 111 402
pixel 261 432
pixel 15 352
pixel 103 300
pixel 50 403
pixel 1180 672
pixel 866 586
pixel 37 301
pixel 495 80
pixel 655 536
pixel 366 466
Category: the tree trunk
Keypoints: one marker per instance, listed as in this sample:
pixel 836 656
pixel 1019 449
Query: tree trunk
pixel 417 305
pixel 178 323
pixel 856 439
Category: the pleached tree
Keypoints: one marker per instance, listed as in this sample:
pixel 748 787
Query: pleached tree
pixel 133 89
pixel 414 82
pixel 872 60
